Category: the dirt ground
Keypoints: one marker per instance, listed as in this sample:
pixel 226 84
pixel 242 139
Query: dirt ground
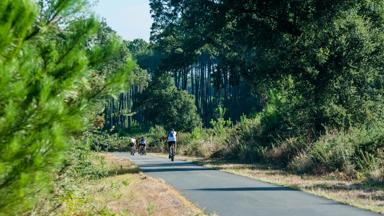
pixel 149 196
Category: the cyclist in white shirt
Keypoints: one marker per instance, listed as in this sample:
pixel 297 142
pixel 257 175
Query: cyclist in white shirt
pixel 171 139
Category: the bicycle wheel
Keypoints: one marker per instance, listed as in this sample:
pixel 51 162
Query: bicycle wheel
pixel 173 153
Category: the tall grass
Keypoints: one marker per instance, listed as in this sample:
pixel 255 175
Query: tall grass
pixel 357 152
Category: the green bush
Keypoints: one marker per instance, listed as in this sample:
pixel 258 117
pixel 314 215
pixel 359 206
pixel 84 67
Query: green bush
pixel 286 150
pixel 243 140
pixel 197 133
pixel 272 135
pixel 79 167
pixel 154 138
pixel 356 152
pixel 201 142
pixel 333 152
pixel 301 163
pixel 359 149
pixel 107 142
pixel 219 124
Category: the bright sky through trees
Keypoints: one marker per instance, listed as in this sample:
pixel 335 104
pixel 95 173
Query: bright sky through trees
pixel 130 18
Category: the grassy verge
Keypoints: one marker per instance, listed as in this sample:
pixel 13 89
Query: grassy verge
pixel 125 191
pixel 363 195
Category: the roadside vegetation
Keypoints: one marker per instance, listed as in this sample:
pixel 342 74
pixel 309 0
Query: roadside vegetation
pixel 115 187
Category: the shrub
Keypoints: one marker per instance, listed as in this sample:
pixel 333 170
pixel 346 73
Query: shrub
pixel 333 152
pixel 106 142
pixel 301 163
pixel 203 143
pixel 285 150
pixel 154 135
pixel 355 152
pixel 242 142
pixel 197 133
pixel 358 148
pixel 219 123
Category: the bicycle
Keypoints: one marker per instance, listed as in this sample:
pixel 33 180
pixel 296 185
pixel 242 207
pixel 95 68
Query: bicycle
pixel 142 150
pixel 132 150
pixel 172 151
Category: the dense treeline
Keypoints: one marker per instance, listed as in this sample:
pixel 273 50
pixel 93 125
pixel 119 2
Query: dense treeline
pixel 55 68
pixel 315 68
pixel 213 87
pixel 118 114
pixel 328 53
pixel 205 76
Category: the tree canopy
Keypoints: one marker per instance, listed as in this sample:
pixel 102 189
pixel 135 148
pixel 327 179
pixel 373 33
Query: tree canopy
pixel 328 54
pixel 163 104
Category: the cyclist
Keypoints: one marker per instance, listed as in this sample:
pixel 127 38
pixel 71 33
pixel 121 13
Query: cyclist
pixel 132 145
pixel 142 145
pixel 171 141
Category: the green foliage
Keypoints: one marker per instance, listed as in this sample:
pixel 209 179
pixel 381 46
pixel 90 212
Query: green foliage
pixel 219 124
pixel 48 80
pixel 145 55
pixel 120 143
pixel 201 142
pixel 197 133
pixel 154 135
pixel 106 142
pixel 118 113
pixel 358 149
pixel 316 65
pixel 357 152
pixel 163 104
pixel 243 142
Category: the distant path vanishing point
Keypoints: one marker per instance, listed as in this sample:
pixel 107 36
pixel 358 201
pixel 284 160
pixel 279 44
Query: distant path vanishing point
pixel 227 194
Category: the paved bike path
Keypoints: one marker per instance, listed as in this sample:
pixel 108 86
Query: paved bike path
pixel 227 194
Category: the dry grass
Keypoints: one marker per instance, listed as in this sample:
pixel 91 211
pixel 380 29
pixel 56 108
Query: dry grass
pixel 149 196
pixel 355 193
pixel 125 192
pixel 118 166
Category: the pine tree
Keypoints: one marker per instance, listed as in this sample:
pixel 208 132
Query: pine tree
pixel 48 78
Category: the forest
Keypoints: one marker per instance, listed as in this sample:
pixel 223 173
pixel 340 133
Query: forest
pixel 299 84
pixel 295 84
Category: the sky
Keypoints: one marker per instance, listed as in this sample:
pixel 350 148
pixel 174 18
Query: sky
pixel 131 19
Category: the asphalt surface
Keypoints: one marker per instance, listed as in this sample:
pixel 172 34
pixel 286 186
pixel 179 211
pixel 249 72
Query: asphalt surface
pixel 224 194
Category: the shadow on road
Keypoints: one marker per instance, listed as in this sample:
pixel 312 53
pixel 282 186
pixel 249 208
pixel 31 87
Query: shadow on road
pixel 246 189
pixel 168 164
pixel 176 169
